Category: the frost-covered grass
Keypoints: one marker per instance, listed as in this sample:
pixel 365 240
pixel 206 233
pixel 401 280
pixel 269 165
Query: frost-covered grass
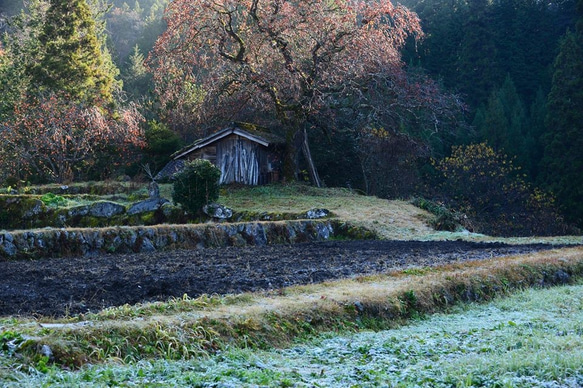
pixel 532 339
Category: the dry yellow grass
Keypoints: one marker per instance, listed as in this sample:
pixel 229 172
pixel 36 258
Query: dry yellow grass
pixel 394 219
pixel 390 219
pixel 276 317
pixel 378 289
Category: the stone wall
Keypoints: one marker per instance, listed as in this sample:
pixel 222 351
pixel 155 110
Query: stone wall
pixel 51 242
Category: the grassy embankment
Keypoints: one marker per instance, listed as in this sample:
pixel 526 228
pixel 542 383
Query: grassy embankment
pixel 531 339
pixel 188 328
pixel 395 219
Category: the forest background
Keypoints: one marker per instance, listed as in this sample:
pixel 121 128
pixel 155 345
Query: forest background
pixel 495 133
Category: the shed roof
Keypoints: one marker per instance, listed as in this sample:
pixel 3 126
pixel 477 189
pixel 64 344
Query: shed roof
pixel 249 132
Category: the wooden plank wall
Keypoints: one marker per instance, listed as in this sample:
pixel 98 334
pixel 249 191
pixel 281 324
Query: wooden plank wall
pixel 238 160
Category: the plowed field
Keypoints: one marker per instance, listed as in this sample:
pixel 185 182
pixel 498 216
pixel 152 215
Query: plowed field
pixel 61 286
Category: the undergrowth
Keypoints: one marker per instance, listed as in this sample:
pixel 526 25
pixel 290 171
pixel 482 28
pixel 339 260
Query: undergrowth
pixel 442 218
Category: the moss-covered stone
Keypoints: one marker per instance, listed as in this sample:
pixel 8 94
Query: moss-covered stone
pixel 83 241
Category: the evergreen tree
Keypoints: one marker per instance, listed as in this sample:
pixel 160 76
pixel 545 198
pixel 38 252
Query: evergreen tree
pixel 74 58
pixel 537 128
pixel 137 79
pixel 21 49
pixel 478 63
pixel 563 160
pixel 503 123
pixel 472 45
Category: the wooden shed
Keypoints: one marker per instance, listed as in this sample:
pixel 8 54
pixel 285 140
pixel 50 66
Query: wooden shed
pixel 242 153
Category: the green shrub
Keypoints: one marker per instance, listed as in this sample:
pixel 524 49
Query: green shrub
pixel 161 143
pixel 196 185
pixel 53 200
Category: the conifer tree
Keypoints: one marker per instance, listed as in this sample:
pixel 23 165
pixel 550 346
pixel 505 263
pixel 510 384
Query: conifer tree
pixel 137 79
pixel 563 161
pixel 536 130
pixel 74 58
pixel 503 122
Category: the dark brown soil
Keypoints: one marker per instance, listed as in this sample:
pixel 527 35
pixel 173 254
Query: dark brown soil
pixel 56 287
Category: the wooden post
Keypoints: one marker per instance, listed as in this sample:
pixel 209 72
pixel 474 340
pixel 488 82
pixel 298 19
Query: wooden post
pixel 314 177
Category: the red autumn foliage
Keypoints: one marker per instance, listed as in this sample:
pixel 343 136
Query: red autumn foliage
pixel 296 63
pixel 55 139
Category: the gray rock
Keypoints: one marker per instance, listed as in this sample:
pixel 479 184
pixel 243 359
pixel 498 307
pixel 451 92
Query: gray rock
pixel 79 211
pixel 215 210
pixel 147 245
pixel 260 235
pixel 46 351
pixel 149 205
pixel 314 214
pixel 255 234
pixel 105 209
pixel 35 210
pixel 8 237
pixel 7 245
pixel 323 231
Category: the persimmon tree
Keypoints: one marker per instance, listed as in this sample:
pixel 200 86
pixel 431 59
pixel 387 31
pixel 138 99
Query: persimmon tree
pixel 299 62
pixel 53 138
pixel 486 186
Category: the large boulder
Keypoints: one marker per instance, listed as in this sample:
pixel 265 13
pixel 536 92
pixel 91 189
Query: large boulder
pixel 106 209
pixel 217 211
pixel 148 205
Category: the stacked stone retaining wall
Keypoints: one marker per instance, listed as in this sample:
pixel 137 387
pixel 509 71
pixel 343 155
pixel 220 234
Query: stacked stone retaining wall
pixel 51 242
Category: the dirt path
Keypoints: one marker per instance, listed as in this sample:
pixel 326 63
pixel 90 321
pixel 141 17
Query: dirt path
pixel 56 287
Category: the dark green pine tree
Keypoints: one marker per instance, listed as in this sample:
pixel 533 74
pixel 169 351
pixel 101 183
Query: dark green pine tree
pixel 503 123
pixel 137 80
pixel 563 160
pixel 478 62
pixel 19 51
pixel 74 57
pixel 536 130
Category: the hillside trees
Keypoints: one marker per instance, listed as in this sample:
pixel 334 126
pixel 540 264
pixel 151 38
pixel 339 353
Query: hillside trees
pixel 54 138
pixel 473 46
pixel 563 158
pixel 301 64
pixel 61 116
pixel 125 25
pixel 135 23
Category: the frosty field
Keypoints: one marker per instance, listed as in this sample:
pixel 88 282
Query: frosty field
pixel 531 339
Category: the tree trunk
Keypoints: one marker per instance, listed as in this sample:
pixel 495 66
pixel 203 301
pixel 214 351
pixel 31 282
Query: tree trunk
pixel 296 141
pixel 289 170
